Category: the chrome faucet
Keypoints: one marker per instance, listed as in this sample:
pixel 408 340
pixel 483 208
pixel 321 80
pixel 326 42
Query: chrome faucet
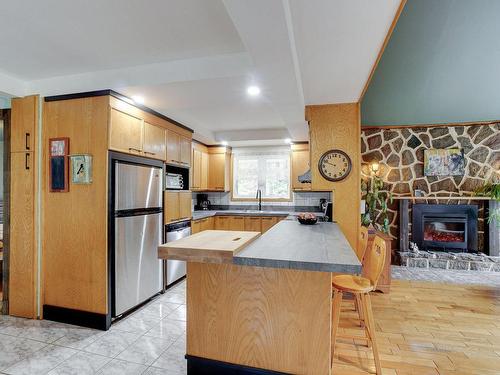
pixel 259 197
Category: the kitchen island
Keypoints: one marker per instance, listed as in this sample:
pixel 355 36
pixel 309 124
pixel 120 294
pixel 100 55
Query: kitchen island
pixel 264 302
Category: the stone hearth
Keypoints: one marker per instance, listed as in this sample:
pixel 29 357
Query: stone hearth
pixel 450 261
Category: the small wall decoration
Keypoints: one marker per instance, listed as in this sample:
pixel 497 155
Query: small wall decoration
pixel 448 162
pixel 334 165
pixel 58 165
pixel 81 169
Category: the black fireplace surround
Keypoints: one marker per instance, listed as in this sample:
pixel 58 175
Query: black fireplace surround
pixel 445 227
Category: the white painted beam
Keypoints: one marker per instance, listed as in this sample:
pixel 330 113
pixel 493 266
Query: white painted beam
pixel 152 74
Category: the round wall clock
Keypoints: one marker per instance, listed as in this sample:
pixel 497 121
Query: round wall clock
pixel 334 165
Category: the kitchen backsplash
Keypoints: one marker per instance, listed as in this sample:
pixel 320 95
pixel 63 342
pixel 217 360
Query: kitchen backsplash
pixel 299 199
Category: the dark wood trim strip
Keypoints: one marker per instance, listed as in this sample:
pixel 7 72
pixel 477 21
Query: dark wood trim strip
pixel 91 94
pixel 77 317
pixel 204 366
pixel 441 125
pixel 382 49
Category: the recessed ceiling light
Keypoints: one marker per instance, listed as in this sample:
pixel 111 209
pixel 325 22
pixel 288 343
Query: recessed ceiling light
pixel 288 141
pixel 224 143
pixel 253 90
pixel 138 99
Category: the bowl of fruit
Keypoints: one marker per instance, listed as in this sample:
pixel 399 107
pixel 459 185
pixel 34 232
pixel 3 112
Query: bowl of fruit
pixel 307 218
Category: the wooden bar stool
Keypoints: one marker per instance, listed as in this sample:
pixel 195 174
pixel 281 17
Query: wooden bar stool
pixel 361 287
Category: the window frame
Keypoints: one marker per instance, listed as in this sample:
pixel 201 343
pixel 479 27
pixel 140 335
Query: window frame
pixel 287 199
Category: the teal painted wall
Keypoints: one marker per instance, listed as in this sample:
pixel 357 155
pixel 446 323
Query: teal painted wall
pixel 441 65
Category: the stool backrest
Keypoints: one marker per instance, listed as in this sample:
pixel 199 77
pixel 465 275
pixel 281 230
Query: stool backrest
pixel 363 242
pixel 374 260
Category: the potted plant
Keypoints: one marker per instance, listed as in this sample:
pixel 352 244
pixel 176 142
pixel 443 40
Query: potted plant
pixel 376 200
pixel 491 190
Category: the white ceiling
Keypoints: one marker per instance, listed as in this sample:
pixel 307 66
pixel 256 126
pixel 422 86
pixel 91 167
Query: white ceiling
pixel 193 59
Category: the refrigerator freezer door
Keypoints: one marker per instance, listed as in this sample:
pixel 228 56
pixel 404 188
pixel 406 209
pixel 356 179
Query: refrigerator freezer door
pixel 138 271
pixel 137 186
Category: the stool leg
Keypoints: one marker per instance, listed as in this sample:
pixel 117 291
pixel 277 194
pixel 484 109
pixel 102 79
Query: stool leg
pixel 370 323
pixel 359 309
pixel 337 302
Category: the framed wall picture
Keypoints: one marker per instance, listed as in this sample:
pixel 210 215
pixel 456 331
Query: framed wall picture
pixel 81 169
pixel 447 162
pixel 58 165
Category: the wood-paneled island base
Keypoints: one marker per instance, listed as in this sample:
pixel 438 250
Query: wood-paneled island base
pixel 271 317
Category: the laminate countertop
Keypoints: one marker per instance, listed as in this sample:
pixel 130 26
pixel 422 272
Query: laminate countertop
pixel 289 244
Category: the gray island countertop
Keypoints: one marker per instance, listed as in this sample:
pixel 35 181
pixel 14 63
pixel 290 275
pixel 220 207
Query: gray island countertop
pixel 289 244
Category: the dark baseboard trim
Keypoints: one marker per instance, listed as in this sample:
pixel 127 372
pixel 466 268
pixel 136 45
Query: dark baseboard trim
pixel 203 366
pixel 77 317
pixel 93 94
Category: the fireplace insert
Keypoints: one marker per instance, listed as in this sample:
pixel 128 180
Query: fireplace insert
pixel 445 227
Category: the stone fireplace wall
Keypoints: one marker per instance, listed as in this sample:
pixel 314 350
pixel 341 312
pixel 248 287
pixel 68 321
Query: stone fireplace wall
pixel 400 153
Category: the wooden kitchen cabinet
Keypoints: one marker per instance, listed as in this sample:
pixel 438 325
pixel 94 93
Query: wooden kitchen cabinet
pixel 207 223
pixel 300 165
pixel 23 111
pixel 171 209
pixel 267 222
pixel 237 223
pixel 200 225
pixel 185 211
pixel 204 171
pixel 154 141
pixel 125 132
pixel 217 179
pixel 185 151
pixel 173 147
pixel 222 222
pixel 177 206
pixel 253 224
pixel 196 170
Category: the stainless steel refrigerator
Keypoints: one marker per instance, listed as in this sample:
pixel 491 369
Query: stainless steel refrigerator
pixel 138 222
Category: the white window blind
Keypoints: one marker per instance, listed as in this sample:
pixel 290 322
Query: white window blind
pixel 264 169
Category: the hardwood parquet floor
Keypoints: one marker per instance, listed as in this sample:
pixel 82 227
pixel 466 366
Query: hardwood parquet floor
pixel 426 328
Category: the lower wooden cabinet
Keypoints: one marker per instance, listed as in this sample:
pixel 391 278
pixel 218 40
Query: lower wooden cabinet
pixel 222 223
pixel 267 222
pixel 252 224
pixel 202 224
pixel 234 222
pixel 177 206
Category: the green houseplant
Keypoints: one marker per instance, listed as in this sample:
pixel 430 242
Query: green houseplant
pixel 376 201
pixel 491 190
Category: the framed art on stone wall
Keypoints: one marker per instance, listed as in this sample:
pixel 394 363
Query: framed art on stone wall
pixel 447 162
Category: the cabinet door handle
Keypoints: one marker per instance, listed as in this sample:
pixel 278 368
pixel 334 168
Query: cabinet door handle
pixel 134 149
pixel 150 153
pixel 27 141
pixel 27 161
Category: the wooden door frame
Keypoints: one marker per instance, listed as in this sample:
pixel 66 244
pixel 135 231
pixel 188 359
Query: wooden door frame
pixel 5 116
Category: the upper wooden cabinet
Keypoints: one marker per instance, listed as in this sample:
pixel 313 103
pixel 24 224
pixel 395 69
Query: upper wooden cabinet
pixel 24 110
pixel 300 165
pixel 199 168
pixel 125 132
pixel 138 132
pixel 219 165
pixel 154 141
pixel 178 149
pixel 185 151
pixel 173 147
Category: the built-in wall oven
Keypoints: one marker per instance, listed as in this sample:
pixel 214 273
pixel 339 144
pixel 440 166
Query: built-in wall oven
pixel 175 269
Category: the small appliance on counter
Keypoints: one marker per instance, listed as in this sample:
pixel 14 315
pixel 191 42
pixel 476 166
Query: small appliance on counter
pixel 328 210
pixel 202 202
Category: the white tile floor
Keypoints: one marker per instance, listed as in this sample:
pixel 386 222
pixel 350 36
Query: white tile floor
pixel 149 341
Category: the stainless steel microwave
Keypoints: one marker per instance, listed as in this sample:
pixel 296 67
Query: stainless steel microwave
pixel 174 181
